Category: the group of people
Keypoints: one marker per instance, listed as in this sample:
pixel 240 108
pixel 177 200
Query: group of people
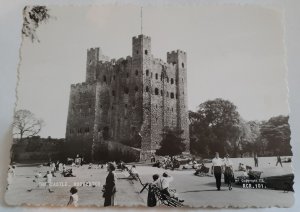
pixel 162 183
pixel 220 166
pixel 167 163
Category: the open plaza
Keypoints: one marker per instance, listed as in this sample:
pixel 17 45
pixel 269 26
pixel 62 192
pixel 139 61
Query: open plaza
pixel 196 191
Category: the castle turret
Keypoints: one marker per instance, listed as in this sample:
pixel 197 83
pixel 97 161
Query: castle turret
pixel 91 63
pixel 141 55
pixel 179 59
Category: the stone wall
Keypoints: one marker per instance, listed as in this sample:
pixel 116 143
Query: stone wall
pixel 123 98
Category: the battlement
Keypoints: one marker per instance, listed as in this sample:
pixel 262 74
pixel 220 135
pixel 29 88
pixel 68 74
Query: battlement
pixel 139 37
pixel 175 52
pixel 81 85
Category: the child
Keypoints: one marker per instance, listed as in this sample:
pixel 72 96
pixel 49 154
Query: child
pixel 73 201
pixel 49 181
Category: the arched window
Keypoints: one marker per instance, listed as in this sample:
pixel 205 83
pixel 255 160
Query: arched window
pixel 113 93
pixel 156 91
pixel 147 72
pixel 172 81
pixel 156 76
pixel 104 78
pixel 136 72
pixel 172 95
pixel 182 64
pixel 146 52
pixel 147 89
pixel 126 90
pixel 136 88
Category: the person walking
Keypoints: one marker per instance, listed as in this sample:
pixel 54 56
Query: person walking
pixel 109 189
pixel 255 160
pixel 228 173
pixel 279 160
pixel 216 170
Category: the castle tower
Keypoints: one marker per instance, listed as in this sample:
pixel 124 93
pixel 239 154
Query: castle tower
pixel 179 59
pixel 141 61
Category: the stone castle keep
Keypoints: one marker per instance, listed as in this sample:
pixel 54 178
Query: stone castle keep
pixel 130 98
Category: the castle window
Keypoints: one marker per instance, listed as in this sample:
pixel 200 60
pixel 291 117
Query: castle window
pixel 136 72
pixel 172 109
pixel 126 90
pixel 167 94
pixel 147 89
pixel 151 74
pixel 167 79
pixel 105 133
pixel 137 51
pixel 113 93
pixel 156 106
pixel 114 77
pixel 161 92
pixel 156 91
pixel 156 76
pixel 136 88
pixel 125 105
pixel 112 107
pixel 127 75
pixel 182 79
pixel 172 95
pixel 176 96
pixel 104 78
pixel 147 72
pixel 146 52
pixel 182 64
pixel 172 81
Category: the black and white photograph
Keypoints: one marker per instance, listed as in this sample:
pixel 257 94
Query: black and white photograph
pixel 151 106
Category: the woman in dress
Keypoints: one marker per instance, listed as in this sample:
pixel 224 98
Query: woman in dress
pixel 109 189
pixel 228 173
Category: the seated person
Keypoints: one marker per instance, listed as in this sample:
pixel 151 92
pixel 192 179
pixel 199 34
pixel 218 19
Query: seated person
pixel 68 173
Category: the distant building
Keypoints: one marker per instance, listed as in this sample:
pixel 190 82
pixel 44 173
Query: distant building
pixel 130 98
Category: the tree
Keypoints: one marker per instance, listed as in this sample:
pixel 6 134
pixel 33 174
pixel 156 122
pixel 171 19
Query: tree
pixel 25 124
pixel 277 135
pixel 172 142
pixel 33 17
pixel 215 127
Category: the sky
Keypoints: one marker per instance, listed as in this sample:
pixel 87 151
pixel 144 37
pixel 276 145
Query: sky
pixel 233 52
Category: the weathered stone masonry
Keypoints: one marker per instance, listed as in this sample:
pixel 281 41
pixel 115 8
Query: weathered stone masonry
pixel 139 95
